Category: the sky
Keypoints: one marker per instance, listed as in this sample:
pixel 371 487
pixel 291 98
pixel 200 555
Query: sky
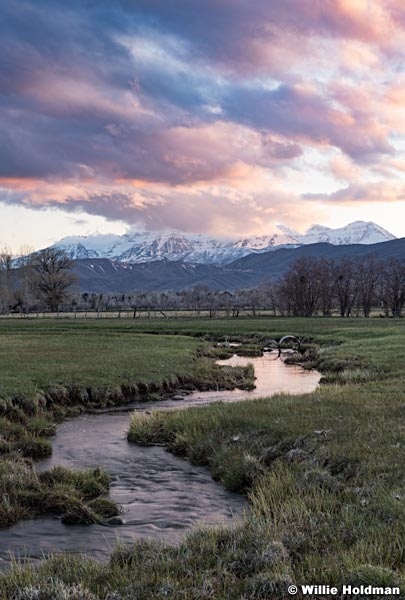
pixel 224 117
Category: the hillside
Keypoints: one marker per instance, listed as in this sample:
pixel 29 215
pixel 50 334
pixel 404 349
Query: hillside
pixel 103 275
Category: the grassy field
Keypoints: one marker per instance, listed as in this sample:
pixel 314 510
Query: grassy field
pixel 55 358
pixel 50 370
pixel 37 355
pixel 325 472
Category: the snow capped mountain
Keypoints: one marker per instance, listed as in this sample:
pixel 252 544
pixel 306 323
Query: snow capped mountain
pixel 267 242
pixel 141 247
pixel 359 232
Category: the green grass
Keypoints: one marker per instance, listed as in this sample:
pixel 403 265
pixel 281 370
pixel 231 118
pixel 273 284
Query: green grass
pixel 64 360
pixel 49 370
pixel 25 493
pixel 34 356
pixel 324 472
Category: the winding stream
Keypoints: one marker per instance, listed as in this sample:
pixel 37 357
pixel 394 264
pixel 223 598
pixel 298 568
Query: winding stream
pixel 162 496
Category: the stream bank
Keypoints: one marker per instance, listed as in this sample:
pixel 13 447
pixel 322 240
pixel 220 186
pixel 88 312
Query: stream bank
pixel 161 496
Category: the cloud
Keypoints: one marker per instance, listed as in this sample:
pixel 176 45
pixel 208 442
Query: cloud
pixel 303 114
pixel 364 193
pixel 254 34
pixel 202 114
pixel 231 206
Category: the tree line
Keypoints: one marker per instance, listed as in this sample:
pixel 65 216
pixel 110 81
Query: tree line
pixel 35 280
pixel 349 286
pixel 310 287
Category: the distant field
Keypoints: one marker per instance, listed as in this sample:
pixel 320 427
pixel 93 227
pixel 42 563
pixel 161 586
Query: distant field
pixel 37 353
pixel 34 355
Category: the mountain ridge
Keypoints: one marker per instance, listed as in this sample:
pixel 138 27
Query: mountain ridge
pixel 104 275
pixel 142 247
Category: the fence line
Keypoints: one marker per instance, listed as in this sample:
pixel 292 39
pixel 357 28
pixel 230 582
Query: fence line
pixel 152 313
pixel 161 314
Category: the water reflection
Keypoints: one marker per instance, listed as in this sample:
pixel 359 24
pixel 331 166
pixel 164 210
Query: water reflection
pixel 273 376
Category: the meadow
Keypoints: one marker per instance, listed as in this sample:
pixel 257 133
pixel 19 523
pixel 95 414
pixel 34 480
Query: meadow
pixel 52 370
pixel 324 472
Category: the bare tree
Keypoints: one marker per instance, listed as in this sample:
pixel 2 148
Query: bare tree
pixel 367 273
pixel 346 286
pixel 268 293
pixel 300 287
pixel 393 286
pixel 24 295
pixel 6 274
pixel 326 284
pixel 52 278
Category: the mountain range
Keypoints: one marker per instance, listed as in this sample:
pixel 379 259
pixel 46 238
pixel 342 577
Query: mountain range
pixel 144 247
pixel 163 261
pixel 107 276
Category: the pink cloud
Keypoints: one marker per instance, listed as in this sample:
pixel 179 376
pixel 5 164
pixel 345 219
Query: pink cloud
pixel 141 111
pixel 364 193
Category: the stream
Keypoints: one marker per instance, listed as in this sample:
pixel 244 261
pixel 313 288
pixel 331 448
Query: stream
pixel 162 496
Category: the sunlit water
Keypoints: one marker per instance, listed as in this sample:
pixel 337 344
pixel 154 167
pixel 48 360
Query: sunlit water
pixel 161 496
pixel 273 376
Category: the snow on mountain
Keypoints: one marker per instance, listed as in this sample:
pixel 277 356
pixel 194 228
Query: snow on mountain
pixel 266 242
pixel 141 247
pixel 359 232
